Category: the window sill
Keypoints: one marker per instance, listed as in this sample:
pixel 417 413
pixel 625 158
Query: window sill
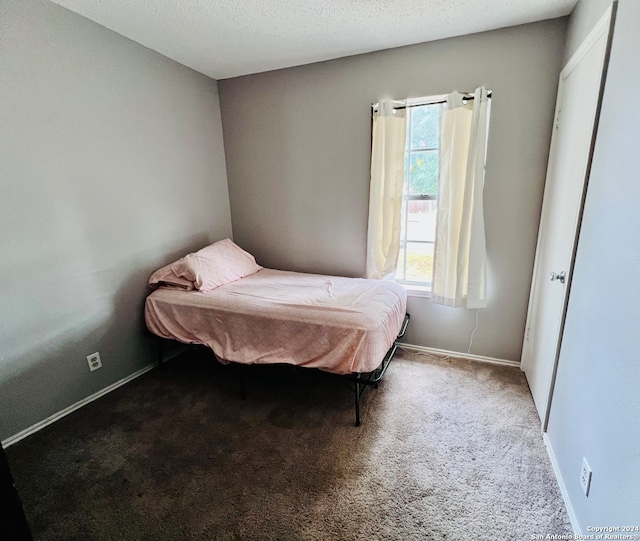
pixel 417 291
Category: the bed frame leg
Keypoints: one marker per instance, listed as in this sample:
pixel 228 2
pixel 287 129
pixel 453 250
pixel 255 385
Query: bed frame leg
pixel 357 402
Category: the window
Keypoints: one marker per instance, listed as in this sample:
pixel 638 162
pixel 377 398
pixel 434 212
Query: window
pixel 420 194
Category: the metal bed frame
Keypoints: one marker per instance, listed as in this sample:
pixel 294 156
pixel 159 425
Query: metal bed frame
pixel 361 381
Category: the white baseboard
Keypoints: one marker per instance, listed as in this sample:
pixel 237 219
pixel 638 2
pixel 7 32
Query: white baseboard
pixel 53 418
pixel 468 356
pixel 66 411
pixel 563 487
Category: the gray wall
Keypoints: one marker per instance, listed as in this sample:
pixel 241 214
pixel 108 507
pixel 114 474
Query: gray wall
pixel 112 164
pixel 298 141
pixel 595 410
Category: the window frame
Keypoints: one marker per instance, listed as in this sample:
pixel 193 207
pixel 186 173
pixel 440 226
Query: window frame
pixel 416 287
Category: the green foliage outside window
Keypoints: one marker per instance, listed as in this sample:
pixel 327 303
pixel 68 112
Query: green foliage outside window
pixel 423 172
pixel 423 131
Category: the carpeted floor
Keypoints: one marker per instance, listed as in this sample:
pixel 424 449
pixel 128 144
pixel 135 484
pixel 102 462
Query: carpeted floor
pixel 448 450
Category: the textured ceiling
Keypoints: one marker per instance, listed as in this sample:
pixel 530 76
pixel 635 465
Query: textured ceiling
pixel 227 38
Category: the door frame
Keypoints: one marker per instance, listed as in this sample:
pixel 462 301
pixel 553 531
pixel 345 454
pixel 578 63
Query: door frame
pixel 606 23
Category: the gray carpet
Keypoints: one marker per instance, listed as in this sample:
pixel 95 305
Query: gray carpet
pixel 449 449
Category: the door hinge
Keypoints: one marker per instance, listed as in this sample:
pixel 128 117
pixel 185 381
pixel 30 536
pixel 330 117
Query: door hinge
pixel 557 120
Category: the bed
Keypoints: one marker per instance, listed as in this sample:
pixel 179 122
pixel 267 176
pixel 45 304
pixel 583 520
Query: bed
pixel 246 314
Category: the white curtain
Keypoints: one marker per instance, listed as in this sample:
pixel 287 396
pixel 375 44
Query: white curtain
pixel 460 267
pixel 385 195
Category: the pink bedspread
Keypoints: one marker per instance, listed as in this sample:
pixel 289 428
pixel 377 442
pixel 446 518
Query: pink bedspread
pixel 341 325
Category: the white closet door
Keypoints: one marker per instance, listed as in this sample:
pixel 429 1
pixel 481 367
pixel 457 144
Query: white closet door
pixel 571 145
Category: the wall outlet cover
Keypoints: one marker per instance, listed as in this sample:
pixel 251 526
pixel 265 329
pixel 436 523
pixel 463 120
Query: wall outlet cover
pixel 94 361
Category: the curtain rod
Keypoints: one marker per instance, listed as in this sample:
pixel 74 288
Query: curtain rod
pixel 439 100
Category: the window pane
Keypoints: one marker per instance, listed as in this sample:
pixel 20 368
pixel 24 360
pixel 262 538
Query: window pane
pixel 421 221
pixel 421 178
pixel 423 172
pixel 419 262
pixel 425 126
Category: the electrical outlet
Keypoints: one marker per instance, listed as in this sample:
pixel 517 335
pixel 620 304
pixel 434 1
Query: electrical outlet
pixel 585 477
pixel 94 361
